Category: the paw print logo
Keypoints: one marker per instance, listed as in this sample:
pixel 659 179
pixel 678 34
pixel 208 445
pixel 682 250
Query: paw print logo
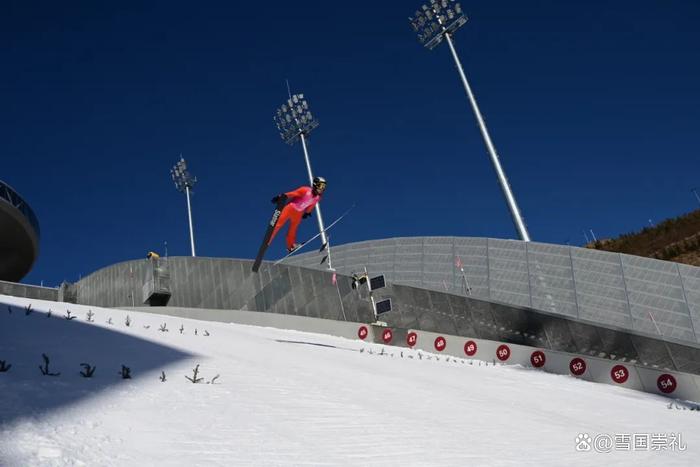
pixel 583 442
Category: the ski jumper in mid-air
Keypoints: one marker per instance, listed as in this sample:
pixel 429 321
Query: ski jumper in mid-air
pixel 300 204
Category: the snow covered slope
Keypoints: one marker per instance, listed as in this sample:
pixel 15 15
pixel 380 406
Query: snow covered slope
pixel 293 398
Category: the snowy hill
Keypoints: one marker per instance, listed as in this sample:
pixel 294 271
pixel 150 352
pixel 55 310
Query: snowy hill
pixel 293 398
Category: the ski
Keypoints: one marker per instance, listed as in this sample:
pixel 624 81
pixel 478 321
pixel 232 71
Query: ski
pixel 268 233
pixel 323 247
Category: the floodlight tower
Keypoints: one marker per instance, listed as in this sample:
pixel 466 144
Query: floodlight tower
pixel 439 20
pixel 295 122
pixel 184 181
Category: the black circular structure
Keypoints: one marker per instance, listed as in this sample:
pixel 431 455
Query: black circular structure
pixel 19 235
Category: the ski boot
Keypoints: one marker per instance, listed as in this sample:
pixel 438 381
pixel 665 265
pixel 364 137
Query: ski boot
pixel 294 247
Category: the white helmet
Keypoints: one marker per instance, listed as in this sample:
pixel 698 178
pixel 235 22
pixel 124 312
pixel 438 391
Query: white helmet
pixel 319 183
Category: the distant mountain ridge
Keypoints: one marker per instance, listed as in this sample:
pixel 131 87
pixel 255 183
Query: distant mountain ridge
pixel 676 239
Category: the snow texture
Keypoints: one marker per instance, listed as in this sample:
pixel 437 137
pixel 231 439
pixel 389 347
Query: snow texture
pixel 292 398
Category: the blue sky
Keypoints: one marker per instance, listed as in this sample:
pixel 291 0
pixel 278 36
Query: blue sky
pixel 594 109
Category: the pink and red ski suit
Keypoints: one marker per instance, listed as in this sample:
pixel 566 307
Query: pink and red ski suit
pixel 302 200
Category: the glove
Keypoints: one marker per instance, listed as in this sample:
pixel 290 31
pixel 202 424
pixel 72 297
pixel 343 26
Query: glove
pixel 279 198
pixel 306 214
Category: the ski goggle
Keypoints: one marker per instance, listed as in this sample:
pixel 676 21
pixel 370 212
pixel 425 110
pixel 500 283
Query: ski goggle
pixel 320 186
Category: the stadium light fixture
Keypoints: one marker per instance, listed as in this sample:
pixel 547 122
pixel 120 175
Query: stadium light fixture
pixel 294 119
pixel 295 122
pixel 184 182
pixel 437 21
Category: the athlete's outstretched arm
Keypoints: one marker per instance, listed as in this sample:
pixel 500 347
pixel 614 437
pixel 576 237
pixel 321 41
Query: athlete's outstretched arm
pixel 301 191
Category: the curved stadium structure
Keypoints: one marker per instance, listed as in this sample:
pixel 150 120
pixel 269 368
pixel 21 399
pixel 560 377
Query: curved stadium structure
pixel 606 312
pixel 549 296
pixel 19 235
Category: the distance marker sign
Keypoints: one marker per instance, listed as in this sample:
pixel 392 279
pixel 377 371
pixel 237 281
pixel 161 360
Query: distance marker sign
pixel 503 352
pixel 666 383
pixel 387 336
pixel 440 343
pixel 362 332
pixel 577 366
pixel 538 359
pixel 470 348
pixel 411 339
pixel 619 374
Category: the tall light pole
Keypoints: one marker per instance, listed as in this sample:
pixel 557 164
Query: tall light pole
pixel 439 20
pixel 184 181
pixel 295 122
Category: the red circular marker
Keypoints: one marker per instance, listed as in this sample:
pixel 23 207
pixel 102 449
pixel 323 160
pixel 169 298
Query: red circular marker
pixel 538 359
pixel 440 344
pixel 411 339
pixel 619 374
pixel 577 366
pixel 503 352
pixel 387 335
pixel 470 348
pixel 362 332
pixel 666 383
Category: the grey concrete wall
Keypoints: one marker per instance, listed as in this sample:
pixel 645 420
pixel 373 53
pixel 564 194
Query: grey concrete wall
pixel 225 284
pixel 643 295
pixel 345 329
pixel 215 283
pixel 29 291
pixel 440 312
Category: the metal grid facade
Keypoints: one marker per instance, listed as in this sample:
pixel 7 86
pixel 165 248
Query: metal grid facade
pixel 652 297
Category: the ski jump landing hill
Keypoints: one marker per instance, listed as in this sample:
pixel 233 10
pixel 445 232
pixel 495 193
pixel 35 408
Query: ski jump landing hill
pixel 599 316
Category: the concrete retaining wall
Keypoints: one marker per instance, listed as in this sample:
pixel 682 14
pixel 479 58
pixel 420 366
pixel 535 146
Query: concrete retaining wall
pixel 210 284
pixel 628 292
pixel 661 381
pixel 28 291
pixel 626 374
pixel 254 318
pixel 228 284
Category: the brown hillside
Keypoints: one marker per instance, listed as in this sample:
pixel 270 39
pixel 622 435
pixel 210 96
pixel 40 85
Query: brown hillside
pixel 676 239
